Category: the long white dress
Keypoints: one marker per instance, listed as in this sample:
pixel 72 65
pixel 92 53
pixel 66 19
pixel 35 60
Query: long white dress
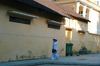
pixel 55 55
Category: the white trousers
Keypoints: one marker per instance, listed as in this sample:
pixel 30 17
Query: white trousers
pixel 55 55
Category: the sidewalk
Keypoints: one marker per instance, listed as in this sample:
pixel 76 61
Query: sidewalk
pixel 88 59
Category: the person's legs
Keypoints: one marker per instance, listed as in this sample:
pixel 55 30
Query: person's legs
pixel 56 55
pixel 53 56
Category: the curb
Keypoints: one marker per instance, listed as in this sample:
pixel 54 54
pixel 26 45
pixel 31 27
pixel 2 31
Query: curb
pixel 56 63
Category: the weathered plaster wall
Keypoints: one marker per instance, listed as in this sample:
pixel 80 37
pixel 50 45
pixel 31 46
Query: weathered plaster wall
pixel 21 41
pixel 90 41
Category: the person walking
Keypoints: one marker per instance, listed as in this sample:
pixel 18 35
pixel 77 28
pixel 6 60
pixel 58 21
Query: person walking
pixel 54 49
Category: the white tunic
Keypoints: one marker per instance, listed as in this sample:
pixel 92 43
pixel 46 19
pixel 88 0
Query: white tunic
pixel 55 55
pixel 55 45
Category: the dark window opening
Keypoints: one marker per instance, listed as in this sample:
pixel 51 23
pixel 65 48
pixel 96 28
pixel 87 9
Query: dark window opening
pixel 19 20
pixel 53 26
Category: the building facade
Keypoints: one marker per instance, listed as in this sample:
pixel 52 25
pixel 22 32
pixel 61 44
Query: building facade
pixel 26 34
pixel 27 28
pixel 89 9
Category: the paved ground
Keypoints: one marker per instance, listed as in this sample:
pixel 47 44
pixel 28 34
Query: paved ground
pixel 82 60
pixel 59 65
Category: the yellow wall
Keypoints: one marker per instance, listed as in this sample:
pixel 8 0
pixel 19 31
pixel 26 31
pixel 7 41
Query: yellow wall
pixel 90 41
pixel 21 41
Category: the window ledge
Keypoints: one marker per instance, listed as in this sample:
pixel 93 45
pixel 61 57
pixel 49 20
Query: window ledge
pixel 54 22
pixel 81 31
pixel 15 13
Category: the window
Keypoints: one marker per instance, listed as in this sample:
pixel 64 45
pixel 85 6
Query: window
pixel 86 16
pixel 97 2
pixel 81 13
pixel 19 20
pixel 53 26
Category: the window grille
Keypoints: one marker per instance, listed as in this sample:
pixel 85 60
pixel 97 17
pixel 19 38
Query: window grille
pixel 19 20
pixel 53 26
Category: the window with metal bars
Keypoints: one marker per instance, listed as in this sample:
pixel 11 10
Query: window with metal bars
pixel 53 26
pixel 19 20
